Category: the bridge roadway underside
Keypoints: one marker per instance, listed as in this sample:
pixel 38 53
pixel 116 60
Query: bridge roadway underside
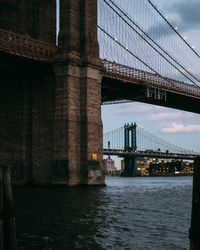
pixel 114 91
pixel 26 118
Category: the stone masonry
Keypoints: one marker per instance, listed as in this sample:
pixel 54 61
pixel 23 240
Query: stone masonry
pixel 50 113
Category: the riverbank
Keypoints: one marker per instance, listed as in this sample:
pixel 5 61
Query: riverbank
pixel 118 174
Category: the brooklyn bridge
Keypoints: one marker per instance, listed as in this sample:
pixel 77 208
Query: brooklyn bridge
pixel 52 88
pixel 52 91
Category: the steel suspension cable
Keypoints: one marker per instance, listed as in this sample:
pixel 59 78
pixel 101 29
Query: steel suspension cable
pixel 154 43
pixel 173 28
pixel 130 52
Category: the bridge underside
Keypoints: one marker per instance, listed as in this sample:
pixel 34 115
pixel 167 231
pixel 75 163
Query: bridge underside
pixel 27 104
pixel 116 91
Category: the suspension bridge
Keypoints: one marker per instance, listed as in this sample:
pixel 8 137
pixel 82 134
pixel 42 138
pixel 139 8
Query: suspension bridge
pixel 110 52
pixel 132 142
pixel 146 58
pixel 52 87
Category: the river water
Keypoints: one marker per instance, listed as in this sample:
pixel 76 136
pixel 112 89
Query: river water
pixel 129 213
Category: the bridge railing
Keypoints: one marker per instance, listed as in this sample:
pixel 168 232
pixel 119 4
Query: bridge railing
pixel 23 45
pixel 123 72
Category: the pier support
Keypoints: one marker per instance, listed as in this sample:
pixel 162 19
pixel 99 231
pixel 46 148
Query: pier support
pixel 78 125
pixel 130 166
pixel 7 220
pixel 50 116
pixel 195 222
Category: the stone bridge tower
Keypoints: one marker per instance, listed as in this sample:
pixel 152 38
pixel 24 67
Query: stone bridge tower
pixel 78 93
pixel 50 113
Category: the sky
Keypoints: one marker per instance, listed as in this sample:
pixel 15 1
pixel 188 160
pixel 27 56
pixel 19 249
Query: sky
pixel 178 127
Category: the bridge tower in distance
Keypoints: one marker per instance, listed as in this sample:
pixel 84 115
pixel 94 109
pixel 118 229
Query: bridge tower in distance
pixel 130 144
pixel 50 117
pixel 130 141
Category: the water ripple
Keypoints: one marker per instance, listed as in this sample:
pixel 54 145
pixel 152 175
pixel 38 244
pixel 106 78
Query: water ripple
pixel 129 213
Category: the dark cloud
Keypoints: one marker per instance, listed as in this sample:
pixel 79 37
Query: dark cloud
pixel 159 30
pixel 186 17
pixel 188 13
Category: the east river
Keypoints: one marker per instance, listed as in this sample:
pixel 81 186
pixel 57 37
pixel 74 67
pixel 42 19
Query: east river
pixel 129 213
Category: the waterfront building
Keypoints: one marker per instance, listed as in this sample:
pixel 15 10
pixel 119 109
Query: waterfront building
pixel 109 166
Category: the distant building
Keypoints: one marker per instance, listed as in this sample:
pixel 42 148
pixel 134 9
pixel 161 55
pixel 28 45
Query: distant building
pixel 160 166
pixel 174 167
pixel 144 163
pixel 109 165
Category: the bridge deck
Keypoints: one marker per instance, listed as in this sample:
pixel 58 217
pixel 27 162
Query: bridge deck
pixel 129 74
pixel 122 153
pixel 25 46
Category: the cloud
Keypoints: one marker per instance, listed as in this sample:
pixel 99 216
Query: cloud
pixel 185 14
pixel 160 30
pixel 137 108
pixel 169 115
pixel 188 13
pixel 180 128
